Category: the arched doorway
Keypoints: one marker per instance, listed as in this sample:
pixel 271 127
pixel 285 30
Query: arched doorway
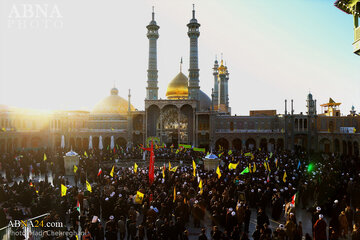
pixel 271 145
pixel 250 144
pixel 237 144
pixel 350 149
pixel 186 123
pixel 176 125
pixel 345 149
pixel 223 143
pixel 263 144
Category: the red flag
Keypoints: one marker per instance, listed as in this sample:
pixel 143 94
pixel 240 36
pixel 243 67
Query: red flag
pixel 151 164
pixel 100 172
pixel 114 149
pixel 293 198
pixel 268 178
pixel 152 161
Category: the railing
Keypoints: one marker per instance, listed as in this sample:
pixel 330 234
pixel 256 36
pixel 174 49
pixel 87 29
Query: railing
pixel 356 43
pixel 357 34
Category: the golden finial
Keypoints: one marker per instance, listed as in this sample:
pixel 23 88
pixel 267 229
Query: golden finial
pixel 222 68
pixel 181 62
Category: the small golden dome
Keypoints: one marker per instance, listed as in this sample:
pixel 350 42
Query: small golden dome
pixel 222 68
pixel 113 104
pixel 178 87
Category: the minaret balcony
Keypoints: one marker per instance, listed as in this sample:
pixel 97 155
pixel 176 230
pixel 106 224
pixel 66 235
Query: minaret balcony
pixel 356 43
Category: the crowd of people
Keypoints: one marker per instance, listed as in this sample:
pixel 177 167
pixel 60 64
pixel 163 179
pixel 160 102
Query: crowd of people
pixel 240 201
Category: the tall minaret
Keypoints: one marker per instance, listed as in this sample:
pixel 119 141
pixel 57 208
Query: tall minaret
pixel 227 88
pixel 216 84
pixel 193 33
pixel 153 35
pixel 222 88
pixel 310 105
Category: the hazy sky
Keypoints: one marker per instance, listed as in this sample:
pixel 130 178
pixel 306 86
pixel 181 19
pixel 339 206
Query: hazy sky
pixel 274 50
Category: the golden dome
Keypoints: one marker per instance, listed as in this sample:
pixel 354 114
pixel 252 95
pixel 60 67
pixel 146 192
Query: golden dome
pixel 113 104
pixel 178 87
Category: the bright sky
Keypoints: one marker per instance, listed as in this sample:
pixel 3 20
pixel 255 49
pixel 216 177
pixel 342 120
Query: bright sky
pixel 274 50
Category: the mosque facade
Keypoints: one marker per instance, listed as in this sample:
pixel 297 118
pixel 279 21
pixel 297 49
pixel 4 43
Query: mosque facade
pixel 187 116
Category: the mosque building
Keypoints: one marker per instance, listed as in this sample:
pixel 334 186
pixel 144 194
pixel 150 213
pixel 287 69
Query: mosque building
pixel 187 116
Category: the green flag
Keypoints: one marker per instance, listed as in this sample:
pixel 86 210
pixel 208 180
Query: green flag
pixel 246 170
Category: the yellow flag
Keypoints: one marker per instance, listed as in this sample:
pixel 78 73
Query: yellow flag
pixel 135 168
pixel 230 152
pixel 174 169
pixel 85 154
pixel 163 172
pixel 45 158
pixel 218 172
pixel 284 177
pixel 169 166
pixel 88 186
pixel 139 197
pixel 177 151
pixel 194 167
pixel 201 186
pixel 233 165
pixel 63 190
pixel 75 168
pixel 174 194
pixel 267 167
pixel 112 171
pixel 254 168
